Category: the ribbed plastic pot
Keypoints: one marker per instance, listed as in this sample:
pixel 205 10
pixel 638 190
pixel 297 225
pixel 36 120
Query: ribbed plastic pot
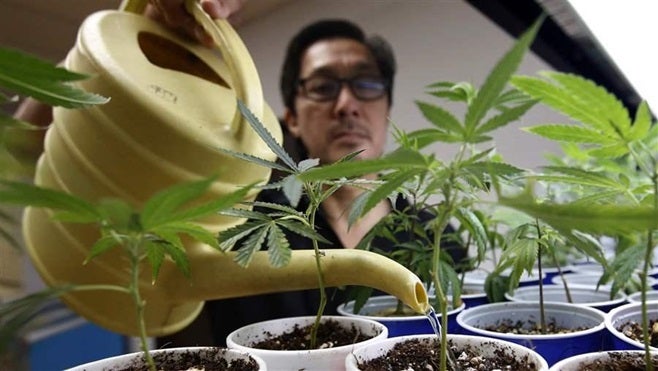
pixel 377 307
pixel 585 296
pixel 622 315
pixel 314 359
pixel 487 346
pixel 135 361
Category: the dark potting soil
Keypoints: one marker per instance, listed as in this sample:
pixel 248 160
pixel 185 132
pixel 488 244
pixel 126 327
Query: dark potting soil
pixel 330 334
pixel 618 362
pixel 633 330
pixel 530 328
pixel 193 359
pixel 421 355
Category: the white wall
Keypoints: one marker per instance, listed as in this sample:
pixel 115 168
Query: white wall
pixel 434 41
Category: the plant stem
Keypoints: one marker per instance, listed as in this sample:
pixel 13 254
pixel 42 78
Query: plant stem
pixel 133 245
pixel 542 314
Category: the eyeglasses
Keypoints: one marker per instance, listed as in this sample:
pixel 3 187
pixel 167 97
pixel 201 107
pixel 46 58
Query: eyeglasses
pixel 324 88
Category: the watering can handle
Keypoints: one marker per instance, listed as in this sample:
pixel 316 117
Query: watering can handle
pixel 245 79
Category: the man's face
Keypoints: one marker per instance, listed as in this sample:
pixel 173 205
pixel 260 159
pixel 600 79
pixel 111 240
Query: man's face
pixel 335 128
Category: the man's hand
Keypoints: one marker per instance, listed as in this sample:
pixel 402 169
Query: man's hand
pixel 173 14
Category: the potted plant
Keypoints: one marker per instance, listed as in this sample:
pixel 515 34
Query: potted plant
pixel 456 184
pixel 612 172
pixel 419 352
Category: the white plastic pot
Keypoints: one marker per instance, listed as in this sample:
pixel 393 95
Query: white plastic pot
pixel 314 359
pixel 585 296
pixel 488 347
pixel 632 358
pixel 136 360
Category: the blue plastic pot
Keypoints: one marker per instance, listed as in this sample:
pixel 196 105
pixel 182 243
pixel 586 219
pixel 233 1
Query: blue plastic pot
pixel 377 308
pixel 553 347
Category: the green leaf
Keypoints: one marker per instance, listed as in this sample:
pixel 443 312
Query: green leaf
pixel 473 224
pixel 257 160
pixel 197 212
pixel 229 237
pixel 23 194
pixel 602 219
pixel 398 159
pixel 570 133
pixel 504 118
pixel 102 245
pixel 381 192
pixel 278 251
pixel 439 117
pixel 642 123
pixel 498 78
pixel 266 136
pixel 561 101
pixel 195 231
pixel 155 256
pixel 251 245
pixel 162 205
pixel 30 76
pixel 424 137
pixel 596 98
pixel 177 253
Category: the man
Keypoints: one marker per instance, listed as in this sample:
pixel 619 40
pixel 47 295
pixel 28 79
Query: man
pixel 336 85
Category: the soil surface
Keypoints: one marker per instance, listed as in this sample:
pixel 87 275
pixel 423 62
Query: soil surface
pixel 330 334
pixel 206 360
pixel 530 328
pixel 421 355
pixel 618 362
pixel 633 330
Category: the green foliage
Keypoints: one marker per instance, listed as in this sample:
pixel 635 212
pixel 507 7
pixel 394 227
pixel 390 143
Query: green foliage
pixel 30 76
pixel 607 180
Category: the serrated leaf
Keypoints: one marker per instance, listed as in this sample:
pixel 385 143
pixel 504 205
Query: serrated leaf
pixel 382 192
pixel 23 194
pixel 101 246
pixel 177 253
pixel 570 133
pixel 257 160
pixel 399 159
pixel 498 78
pixel 250 246
pixel 473 224
pixel 195 231
pixel 155 255
pixel 556 98
pixel 278 250
pixel 504 118
pixel 229 237
pixel 642 123
pixel 597 98
pixel 424 137
pixel 208 208
pixel 293 189
pixel 439 117
pixel 266 136
pixel 603 219
pixel 302 229
pixel 160 207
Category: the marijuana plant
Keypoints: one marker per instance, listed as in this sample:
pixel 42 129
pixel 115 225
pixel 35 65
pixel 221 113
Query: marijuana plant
pixel 613 175
pixel 149 235
pixel 448 189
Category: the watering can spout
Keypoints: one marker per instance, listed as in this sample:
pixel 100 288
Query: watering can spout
pixel 175 300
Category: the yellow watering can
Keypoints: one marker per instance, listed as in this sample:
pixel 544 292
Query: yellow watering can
pixel 173 103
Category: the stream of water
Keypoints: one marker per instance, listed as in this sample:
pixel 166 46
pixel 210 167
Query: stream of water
pixel 435 321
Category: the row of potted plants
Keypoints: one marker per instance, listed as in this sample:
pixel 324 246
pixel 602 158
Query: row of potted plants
pixel 579 215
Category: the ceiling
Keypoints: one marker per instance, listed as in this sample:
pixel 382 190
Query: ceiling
pixel 563 41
